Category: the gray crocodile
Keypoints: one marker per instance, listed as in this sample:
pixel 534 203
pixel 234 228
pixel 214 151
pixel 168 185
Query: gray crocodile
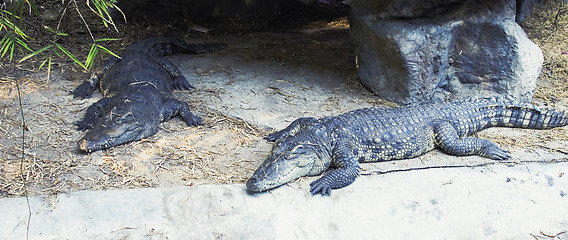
pixel 336 145
pixel 137 93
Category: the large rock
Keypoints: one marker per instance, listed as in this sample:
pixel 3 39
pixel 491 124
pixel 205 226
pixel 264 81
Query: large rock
pixel 413 51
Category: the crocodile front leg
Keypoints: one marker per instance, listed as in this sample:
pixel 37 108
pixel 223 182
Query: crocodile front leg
pixel 446 137
pixel 174 107
pixel 345 172
pixel 292 129
pixel 86 89
pixel 94 112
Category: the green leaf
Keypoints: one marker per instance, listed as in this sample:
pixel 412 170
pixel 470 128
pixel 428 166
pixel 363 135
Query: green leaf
pixel 4 40
pixel 12 47
pixel 9 42
pixel 106 39
pixel 70 55
pixel 55 32
pixel 91 56
pixel 43 63
pixel 9 25
pixel 35 53
pixel 23 44
pixel 101 9
pixel 49 68
pixel 49 29
pixel 108 51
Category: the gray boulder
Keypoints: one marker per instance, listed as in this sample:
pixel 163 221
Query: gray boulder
pixel 411 51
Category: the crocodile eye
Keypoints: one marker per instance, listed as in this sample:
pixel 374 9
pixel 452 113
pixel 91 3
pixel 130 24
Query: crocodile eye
pixel 118 120
pixel 295 152
pixel 124 118
pixel 298 149
pixel 290 155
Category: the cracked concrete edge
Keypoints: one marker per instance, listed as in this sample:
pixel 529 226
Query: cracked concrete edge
pixel 496 202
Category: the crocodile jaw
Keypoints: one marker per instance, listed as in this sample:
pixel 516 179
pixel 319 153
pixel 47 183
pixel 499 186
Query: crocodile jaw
pixel 105 137
pixel 277 171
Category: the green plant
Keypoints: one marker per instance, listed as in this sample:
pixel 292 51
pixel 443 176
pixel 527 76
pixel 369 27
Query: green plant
pixel 15 39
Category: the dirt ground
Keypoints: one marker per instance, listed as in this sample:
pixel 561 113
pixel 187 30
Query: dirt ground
pixel 227 149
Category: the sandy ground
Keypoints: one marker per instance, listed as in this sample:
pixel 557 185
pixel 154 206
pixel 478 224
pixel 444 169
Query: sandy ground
pixel 242 92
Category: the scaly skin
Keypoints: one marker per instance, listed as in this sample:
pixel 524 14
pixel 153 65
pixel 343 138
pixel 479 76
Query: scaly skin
pixel 136 94
pixel 336 145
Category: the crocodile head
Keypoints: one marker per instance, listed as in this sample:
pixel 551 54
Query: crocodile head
pixel 288 161
pixel 123 123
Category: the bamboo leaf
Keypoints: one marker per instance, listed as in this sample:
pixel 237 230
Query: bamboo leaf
pixel 106 39
pixel 55 32
pixel 49 68
pixel 49 29
pixel 10 24
pixel 4 40
pixel 35 53
pixel 70 55
pixel 43 63
pixel 23 44
pixel 108 51
pixel 101 9
pixel 91 56
pixel 99 5
pixel 6 46
pixel 12 47
pixel 56 52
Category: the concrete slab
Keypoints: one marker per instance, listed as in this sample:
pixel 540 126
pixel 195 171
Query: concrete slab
pixel 521 202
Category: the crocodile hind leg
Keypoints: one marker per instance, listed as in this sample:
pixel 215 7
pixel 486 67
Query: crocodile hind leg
pixel 446 137
pixel 292 129
pixel 175 107
pixel 179 82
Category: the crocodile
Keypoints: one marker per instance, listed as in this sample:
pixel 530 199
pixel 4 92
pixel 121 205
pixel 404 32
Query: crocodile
pixel 137 93
pixel 335 145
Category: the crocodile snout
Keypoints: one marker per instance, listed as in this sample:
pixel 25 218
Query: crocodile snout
pixel 252 184
pixel 83 144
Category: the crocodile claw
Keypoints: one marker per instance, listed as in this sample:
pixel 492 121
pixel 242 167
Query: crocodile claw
pixel 85 90
pixel 273 136
pixel 195 121
pixel 491 150
pixel 497 154
pixel 320 186
pixel 181 83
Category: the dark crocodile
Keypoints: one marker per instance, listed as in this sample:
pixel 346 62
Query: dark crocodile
pixel 336 145
pixel 137 93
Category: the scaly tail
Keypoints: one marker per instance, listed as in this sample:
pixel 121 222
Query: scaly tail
pixel 169 46
pixel 455 140
pixel 527 117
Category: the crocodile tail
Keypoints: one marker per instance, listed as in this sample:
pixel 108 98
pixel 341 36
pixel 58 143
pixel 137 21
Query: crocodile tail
pixel 168 46
pixel 528 117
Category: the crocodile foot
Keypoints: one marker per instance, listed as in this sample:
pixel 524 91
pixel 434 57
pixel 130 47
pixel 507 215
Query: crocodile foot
pixel 181 83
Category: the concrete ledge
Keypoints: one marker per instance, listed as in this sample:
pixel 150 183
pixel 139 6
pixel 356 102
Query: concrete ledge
pixel 497 202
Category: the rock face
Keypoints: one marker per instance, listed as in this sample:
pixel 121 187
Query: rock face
pixel 412 51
